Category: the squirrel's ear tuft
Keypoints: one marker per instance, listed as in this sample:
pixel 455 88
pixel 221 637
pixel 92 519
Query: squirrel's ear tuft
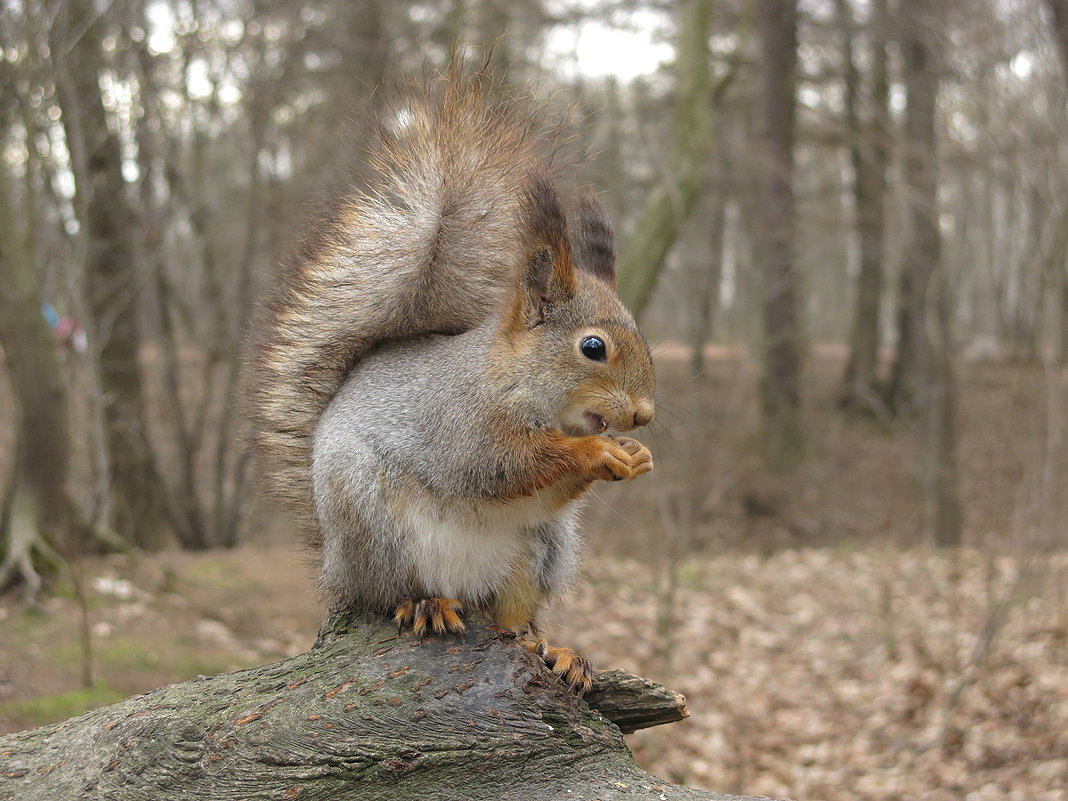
pixel 548 274
pixel 593 240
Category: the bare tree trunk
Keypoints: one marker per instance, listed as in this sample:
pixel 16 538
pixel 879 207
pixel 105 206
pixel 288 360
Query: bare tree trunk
pixel 707 277
pixel 928 299
pixel 230 456
pixel 780 384
pixel 869 155
pixel 656 229
pixel 911 297
pixel 42 515
pixel 1062 332
pixel 112 278
pixel 183 421
pixel 365 714
pixel 1058 10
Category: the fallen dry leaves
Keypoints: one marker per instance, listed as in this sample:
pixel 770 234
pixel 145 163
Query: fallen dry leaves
pixel 824 674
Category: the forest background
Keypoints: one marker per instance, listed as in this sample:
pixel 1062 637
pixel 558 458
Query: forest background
pixel 844 226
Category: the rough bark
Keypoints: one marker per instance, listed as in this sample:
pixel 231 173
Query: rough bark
pixel 632 702
pixel 780 384
pixel 365 714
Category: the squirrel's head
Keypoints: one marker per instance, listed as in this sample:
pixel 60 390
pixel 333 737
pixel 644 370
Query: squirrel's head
pixel 571 343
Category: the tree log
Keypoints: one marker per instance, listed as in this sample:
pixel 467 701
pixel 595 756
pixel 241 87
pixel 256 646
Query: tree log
pixel 365 714
pixel 632 702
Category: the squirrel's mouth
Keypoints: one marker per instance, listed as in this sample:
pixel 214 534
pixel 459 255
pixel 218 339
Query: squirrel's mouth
pixel 578 422
pixel 597 424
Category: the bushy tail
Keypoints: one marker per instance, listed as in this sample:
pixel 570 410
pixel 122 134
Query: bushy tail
pixel 430 245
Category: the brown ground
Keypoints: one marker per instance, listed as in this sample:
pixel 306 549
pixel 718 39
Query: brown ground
pixel 825 654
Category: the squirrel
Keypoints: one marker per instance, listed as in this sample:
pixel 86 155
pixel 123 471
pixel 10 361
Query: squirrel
pixel 444 368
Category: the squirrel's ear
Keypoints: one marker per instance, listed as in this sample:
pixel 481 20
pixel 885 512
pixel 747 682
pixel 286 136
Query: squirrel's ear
pixel 593 240
pixel 548 274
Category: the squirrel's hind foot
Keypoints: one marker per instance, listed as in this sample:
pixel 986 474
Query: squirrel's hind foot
pixel 439 614
pixel 574 669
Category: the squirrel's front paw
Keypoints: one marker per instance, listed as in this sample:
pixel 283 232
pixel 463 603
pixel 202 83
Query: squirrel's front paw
pixel 623 458
pixel 574 669
pixel 440 614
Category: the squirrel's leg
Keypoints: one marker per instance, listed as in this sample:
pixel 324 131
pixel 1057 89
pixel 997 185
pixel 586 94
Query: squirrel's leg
pixel 515 607
pixel 439 614
pixel 576 670
pixel 517 602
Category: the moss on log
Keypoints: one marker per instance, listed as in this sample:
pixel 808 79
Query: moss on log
pixel 365 714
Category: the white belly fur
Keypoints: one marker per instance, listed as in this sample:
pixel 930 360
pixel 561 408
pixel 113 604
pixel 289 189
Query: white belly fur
pixel 462 553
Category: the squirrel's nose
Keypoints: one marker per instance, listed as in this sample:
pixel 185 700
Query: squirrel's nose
pixel 643 413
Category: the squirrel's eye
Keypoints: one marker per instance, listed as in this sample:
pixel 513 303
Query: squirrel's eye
pixel 593 348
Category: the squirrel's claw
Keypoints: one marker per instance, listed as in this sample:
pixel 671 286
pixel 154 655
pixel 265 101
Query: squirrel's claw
pixel 404 614
pixel 440 614
pixel 576 670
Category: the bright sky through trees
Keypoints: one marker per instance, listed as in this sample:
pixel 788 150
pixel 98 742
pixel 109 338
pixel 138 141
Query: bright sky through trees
pixel 634 47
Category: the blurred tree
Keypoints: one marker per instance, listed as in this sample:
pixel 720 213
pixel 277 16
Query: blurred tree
pixel 869 140
pixel 1058 11
pixel 202 461
pixel 113 279
pixel 671 201
pixel 706 275
pixel 780 381
pixel 42 518
pixel 923 370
